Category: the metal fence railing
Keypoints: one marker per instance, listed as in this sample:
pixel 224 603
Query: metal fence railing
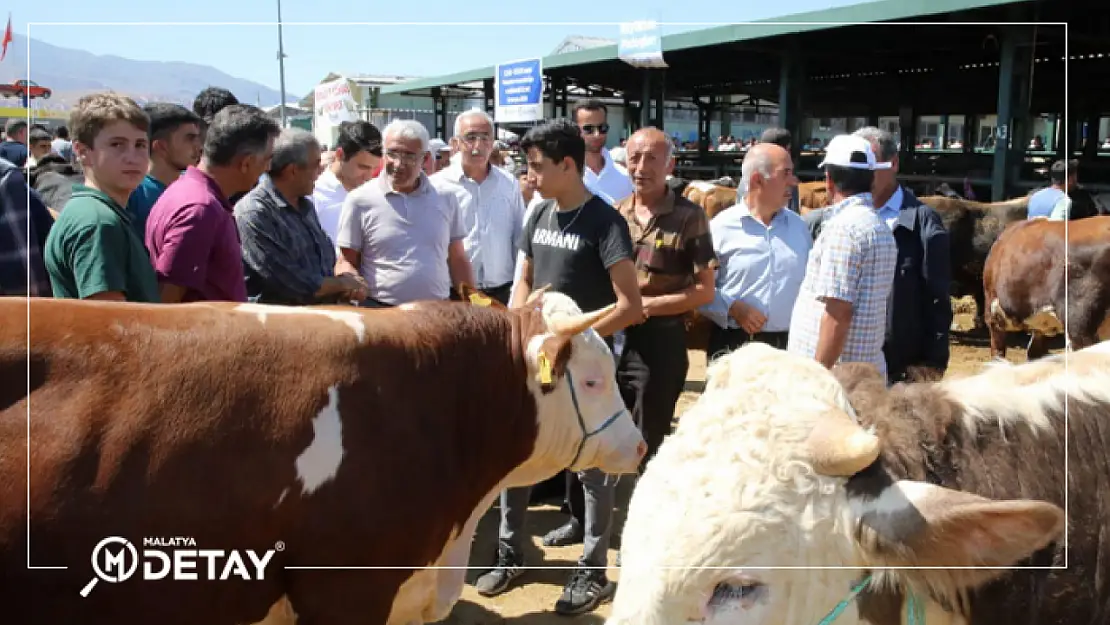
pixel 382 117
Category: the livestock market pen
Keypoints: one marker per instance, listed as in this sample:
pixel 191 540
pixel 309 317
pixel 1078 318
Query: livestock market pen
pixel 974 88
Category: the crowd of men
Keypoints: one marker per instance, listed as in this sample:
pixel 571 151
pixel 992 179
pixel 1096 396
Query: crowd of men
pixel 218 203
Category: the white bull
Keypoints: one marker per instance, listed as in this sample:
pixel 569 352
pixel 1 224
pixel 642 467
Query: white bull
pixel 777 502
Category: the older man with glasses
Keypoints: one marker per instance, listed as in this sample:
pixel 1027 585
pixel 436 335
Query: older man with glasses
pixel 490 200
pixel 404 235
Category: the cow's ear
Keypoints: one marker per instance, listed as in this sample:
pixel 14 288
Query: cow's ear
pixel 915 524
pixel 551 360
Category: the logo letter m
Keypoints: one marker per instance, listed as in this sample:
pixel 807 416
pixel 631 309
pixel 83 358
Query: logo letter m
pixel 115 562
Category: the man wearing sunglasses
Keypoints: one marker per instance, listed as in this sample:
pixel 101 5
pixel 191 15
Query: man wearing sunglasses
pixel 602 176
pixel 404 235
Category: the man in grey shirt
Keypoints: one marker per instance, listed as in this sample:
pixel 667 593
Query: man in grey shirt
pixel 404 235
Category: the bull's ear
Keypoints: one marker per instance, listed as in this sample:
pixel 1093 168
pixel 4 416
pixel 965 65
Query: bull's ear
pixel 551 361
pixel 918 524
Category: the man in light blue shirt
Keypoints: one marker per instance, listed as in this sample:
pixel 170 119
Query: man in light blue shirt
pixel 1063 175
pixel 762 250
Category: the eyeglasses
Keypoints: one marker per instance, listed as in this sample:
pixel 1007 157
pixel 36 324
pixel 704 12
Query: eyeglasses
pixel 471 138
pixel 404 157
pixel 589 129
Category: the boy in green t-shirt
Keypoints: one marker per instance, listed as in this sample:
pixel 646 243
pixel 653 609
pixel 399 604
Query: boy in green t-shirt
pixel 92 251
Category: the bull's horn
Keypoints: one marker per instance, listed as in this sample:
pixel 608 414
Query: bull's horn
pixel 838 447
pixel 569 326
pixel 535 296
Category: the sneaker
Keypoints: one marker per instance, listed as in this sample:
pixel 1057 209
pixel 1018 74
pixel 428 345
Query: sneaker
pixel 569 533
pixel 509 566
pixel 584 592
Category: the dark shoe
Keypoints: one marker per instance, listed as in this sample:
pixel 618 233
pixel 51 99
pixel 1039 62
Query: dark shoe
pixel 509 567
pixel 570 533
pixel 584 592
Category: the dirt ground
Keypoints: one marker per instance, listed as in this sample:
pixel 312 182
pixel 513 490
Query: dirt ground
pixel 532 599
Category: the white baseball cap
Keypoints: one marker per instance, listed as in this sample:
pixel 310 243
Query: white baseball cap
pixel 852 152
pixel 438 145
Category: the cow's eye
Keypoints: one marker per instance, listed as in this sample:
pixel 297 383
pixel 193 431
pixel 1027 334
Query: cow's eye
pixel 591 383
pixel 746 594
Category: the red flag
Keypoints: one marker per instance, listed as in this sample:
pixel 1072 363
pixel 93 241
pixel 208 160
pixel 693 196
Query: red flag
pixel 7 38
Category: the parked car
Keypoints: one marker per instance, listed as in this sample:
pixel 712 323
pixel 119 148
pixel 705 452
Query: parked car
pixel 18 88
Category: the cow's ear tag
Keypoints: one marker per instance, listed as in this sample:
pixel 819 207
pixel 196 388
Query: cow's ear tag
pixel 480 300
pixel 546 372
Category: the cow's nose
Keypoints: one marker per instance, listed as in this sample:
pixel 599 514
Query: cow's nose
pixel 641 449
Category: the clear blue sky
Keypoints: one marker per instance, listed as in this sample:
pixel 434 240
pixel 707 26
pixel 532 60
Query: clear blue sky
pixel 313 51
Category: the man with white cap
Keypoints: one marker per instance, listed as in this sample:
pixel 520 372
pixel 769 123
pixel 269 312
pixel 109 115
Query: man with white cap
pixel 437 157
pixel 841 311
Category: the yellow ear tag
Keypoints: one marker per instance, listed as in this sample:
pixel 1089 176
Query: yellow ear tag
pixel 546 373
pixel 480 300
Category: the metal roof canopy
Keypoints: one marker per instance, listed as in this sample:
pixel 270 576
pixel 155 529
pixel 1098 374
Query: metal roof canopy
pixel 941 67
pixel 574 62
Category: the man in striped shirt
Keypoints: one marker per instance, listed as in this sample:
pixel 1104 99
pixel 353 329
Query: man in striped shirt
pixel 841 312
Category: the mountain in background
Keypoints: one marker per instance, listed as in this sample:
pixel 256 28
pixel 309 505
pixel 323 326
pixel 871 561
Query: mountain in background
pixel 71 74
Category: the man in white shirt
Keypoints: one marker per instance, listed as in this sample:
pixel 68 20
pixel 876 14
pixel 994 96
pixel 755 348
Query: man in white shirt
pixel 358 151
pixel 490 201
pixel 602 176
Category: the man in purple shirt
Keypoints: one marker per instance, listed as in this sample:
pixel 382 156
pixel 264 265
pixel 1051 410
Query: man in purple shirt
pixel 191 233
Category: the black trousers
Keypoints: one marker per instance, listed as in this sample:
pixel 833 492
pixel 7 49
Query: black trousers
pixel 499 293
pixel 722 341
pixel 651 375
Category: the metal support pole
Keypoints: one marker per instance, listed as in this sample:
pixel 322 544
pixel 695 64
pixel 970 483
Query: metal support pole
pixel 660 98
pixel 1005 118
pixel 559 88
pixel 281 65
pixel 489 102
pixel 439 108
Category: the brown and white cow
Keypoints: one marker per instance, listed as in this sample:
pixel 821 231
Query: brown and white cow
pixel 973 227
pixel 788 488
pixel 712 198
pixel 1026 290
pixel 356 438
pixel 811 196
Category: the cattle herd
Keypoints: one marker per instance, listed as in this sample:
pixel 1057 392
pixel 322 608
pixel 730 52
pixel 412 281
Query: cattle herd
pixel 202 463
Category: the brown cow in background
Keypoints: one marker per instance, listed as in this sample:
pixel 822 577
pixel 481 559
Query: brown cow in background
pixel 1027 290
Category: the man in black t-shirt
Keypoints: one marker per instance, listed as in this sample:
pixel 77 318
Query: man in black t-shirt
pixel 580 246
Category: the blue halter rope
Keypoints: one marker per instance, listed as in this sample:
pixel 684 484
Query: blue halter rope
pixel 915 612
pixel 582 422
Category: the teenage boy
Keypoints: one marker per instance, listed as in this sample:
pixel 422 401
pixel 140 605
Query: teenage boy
pixel 174 145
pixel 580 245
pixel 92 251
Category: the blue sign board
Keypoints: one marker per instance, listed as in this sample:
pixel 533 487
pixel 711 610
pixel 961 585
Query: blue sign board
pixel 641 44
pixel 519 91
